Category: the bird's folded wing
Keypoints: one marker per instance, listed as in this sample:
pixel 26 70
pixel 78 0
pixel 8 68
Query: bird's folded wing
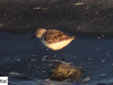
pixel 53 36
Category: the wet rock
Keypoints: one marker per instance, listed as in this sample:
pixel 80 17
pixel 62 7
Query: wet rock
pixel 62 71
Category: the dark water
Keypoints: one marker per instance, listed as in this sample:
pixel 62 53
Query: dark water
pixel 21 56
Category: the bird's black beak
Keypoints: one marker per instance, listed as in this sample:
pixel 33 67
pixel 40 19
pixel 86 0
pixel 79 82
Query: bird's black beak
pixel 32 37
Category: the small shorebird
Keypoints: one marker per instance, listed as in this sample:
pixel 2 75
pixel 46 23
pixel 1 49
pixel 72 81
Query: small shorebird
pixel 53 39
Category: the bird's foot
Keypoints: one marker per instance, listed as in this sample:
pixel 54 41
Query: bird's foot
pixel 49 58
pixel 62 59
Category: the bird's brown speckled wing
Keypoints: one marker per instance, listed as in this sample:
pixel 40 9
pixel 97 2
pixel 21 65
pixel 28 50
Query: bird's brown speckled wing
pixel 53 36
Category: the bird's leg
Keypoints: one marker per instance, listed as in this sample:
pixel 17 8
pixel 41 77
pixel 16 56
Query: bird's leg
pixel 50 58
pixel 52 54
pixel 61 53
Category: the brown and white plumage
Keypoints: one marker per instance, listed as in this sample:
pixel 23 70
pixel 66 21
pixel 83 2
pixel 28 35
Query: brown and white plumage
pixel 53 39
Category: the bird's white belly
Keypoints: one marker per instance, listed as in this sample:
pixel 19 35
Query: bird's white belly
pixel 58 45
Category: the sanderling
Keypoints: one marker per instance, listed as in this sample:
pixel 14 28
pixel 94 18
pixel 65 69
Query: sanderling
pixel 53 39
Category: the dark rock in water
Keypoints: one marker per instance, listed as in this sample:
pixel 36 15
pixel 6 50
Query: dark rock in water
pixel 61 71
pixel 77 16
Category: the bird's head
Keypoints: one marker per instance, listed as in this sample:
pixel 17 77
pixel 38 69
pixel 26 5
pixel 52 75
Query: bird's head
pixel 39 33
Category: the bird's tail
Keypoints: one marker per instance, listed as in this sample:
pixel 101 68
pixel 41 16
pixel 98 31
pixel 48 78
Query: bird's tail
pixel 74 37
